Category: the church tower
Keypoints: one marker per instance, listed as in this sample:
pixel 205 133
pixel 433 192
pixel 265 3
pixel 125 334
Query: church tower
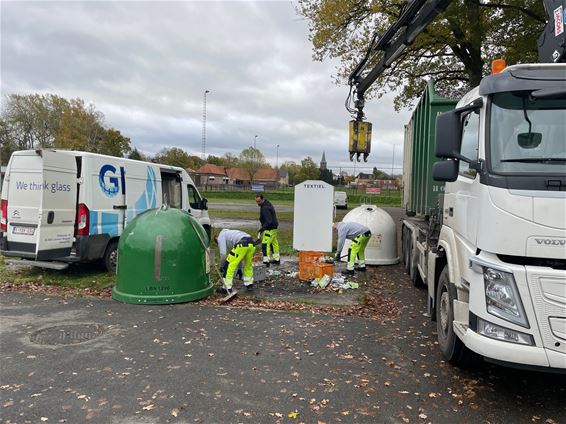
pixel 323 162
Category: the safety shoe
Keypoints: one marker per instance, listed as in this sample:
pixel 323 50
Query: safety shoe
pixel 249 287
pixel 222 290
pixel 361 269
pixel 349 272
pixel 266 264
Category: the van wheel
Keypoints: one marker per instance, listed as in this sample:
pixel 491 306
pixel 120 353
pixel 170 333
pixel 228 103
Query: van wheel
pixel 111 257
pixel 451 346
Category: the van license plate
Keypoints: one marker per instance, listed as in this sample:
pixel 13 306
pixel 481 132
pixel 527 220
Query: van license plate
pixel 28 231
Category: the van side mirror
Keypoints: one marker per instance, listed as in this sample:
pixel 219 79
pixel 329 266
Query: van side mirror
pixel 448 135
pixel 446 170
pixel 203 204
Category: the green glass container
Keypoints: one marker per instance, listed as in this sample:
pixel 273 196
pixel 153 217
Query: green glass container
pixel 162 258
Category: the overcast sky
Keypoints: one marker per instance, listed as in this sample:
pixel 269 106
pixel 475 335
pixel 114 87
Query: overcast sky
pixel 145 66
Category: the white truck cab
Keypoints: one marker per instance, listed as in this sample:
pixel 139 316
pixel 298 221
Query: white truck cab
pixel 60 206
pixel 493 254
pixel 503 228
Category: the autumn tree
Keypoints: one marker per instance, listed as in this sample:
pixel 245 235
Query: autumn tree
pixel 114 143
pixel 309 171
pixel 230 160
pixel 292 170
pixel 176 156
pixel 455 50
pixel 135 154
pixel 32 121
pixel 251 159
pixel 81 128
pixel 47 120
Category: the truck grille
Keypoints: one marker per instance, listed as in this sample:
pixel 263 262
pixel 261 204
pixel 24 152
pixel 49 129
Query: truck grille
pixel 548 291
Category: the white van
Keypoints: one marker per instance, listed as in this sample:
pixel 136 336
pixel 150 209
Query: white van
pixel 341 200
pixel 61 206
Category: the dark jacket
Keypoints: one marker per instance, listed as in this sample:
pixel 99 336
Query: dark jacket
pixel 267 216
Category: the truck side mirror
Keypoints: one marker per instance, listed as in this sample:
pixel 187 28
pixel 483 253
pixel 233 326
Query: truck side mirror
pixel 446 170
pixel 448 135
pixel 529 140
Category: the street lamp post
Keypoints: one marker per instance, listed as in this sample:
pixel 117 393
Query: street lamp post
pixel 277 157
pixel 204 124
pixel 255 140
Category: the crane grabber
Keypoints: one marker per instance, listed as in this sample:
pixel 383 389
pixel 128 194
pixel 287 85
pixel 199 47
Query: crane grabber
pixel 415 16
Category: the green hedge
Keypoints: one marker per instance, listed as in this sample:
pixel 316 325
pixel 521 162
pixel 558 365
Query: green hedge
pixel 392 198
pixel 271 195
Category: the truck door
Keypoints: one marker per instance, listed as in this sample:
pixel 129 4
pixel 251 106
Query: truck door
pixel 57 207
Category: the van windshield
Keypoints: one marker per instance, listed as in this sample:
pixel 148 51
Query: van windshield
pixel 527 134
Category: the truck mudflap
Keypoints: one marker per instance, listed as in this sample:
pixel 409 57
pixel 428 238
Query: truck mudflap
pixel 514 354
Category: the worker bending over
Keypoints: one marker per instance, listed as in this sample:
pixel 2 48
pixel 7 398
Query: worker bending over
pixel 268 231
pixel 234 247
pixel 360 235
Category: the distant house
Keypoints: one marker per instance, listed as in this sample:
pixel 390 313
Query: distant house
pixel 283 177
pixel 216 176
pixel 238 176
pixel 211 175
pixel 391 184
pixel 269 177
pixel 266 176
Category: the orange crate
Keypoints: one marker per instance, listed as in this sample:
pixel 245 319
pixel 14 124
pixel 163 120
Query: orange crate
pixel 307 264
pixel 306 271
pixel 324 269
pixel 309 256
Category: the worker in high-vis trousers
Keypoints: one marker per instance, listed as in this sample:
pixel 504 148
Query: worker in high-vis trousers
pixel 360 235
pixel 235 246
pixel 268 231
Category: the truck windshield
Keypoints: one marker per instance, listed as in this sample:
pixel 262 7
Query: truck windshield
pixel 527 135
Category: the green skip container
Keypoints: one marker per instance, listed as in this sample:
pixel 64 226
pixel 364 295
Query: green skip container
pixel 163 258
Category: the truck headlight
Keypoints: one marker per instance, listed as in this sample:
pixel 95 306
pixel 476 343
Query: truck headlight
pixel 497 332
pixel 502 297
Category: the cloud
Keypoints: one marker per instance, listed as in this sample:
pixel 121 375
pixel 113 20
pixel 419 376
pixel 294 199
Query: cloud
pixel 145 65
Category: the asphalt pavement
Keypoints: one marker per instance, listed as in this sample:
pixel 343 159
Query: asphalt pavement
pixel 95 360
pixel 192 363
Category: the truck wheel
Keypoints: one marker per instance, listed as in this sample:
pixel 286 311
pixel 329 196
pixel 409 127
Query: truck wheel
pixel 111 257
pixel 451 346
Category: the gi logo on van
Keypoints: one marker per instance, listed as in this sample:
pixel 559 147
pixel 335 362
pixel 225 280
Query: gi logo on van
pixel 109 181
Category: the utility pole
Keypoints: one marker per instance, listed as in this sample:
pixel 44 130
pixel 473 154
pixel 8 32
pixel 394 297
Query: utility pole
pixel 204 125
pixel 393 161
